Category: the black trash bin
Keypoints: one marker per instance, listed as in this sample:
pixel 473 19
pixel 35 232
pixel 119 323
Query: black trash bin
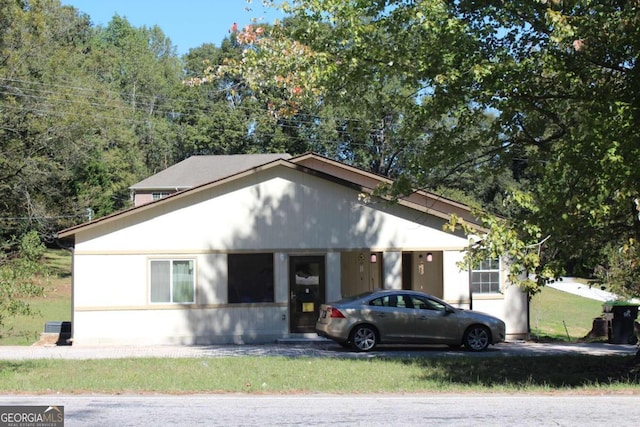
pixel 621 331
pixel 63 329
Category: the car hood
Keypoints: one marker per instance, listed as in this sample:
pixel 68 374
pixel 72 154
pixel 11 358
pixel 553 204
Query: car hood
pixel 477 316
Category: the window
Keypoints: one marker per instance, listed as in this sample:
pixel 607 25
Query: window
pixel 427 304
pixel 250 278
pixel 159 195
pixel 486 278
pixel 401 301
pixel 172 281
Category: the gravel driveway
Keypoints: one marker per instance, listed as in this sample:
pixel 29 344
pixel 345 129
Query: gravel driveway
pixel 311 348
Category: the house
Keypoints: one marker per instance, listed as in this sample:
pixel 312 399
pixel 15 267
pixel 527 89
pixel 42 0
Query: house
pixel 249 257
pixel 194 171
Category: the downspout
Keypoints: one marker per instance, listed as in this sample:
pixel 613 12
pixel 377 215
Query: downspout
pixel 470 290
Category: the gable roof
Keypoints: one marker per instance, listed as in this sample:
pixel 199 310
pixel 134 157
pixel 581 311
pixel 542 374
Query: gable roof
pixel 313 164
pixel 197 170
pixel 420 199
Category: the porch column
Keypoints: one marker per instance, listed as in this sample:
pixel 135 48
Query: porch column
pixel 281 273
pixel 332 274
pixel 392 270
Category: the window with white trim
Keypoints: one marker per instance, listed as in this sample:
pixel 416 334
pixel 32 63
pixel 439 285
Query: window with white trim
pixel 172 281
pixel 159 195
pixel 485 279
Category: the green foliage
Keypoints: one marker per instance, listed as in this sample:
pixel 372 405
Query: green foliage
pixel 621 273
pixel 544 95
pixel 21 275
pixel 53 304
pixel 519 244
pixel 484 100
pixel 57 121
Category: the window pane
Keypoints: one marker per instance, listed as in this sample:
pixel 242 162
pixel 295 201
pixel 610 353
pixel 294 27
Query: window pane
pixel 160 281
pixel 377 301
pixel 494 282
pixel 486 278
pixel 183 281
pixel 250 278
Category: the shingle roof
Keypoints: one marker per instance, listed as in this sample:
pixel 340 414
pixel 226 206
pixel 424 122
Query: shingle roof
pixel 197 170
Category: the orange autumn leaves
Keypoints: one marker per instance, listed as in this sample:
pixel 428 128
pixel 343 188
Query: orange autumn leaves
pixel 269 62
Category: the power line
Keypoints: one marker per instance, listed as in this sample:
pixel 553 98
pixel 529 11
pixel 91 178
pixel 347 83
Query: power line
pixel 298 123
pixel 34 218
pixel 167 105
pixel 49 98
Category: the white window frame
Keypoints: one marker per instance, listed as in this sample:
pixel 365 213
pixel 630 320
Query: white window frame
pixel 485 268
pixel 157 195
pixel 172 262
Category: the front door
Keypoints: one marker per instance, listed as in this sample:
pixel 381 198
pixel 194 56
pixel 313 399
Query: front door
pixel 306 292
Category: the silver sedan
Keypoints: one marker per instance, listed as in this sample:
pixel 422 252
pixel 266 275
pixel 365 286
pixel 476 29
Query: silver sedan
pixel 405 317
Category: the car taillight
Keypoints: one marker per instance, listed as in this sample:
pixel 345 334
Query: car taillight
pixel 335 313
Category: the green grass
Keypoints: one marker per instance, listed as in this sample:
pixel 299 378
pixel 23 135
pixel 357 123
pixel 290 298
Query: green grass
pixel 319 375
pixel 55 305
pixel 551 310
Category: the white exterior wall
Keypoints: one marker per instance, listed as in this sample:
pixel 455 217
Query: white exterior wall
pixel 279 210
pixel 293 211
pixel 238 325
pixel 511 305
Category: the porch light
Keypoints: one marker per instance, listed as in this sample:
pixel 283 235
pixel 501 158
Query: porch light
pixel 374 258
pixel 429 257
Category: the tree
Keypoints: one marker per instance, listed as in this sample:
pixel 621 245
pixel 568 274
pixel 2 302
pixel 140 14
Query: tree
pixel 39 113
pixel 560 79
pixel 21 276
pixel 622 272
pixel 370 133
pixel 141 66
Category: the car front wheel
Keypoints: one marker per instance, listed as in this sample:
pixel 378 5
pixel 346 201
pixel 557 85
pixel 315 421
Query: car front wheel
pixel 477 338
pixel 363 338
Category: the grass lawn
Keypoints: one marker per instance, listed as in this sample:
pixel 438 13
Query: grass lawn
pixel 55 305
pixel 575 374
pixel 562 316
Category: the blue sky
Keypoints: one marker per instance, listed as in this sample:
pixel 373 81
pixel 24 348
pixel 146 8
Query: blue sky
pixel 188 23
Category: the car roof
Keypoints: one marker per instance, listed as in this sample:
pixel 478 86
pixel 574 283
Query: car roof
pixel 382 292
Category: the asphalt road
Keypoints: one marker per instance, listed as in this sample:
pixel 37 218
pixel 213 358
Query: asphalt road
pixel 344 410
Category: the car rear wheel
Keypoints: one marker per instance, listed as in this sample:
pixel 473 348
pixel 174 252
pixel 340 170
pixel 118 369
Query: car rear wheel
pixel 363 338
pixel 477 338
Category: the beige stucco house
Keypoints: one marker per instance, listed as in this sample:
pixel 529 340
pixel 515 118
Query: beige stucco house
pixel 249 256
